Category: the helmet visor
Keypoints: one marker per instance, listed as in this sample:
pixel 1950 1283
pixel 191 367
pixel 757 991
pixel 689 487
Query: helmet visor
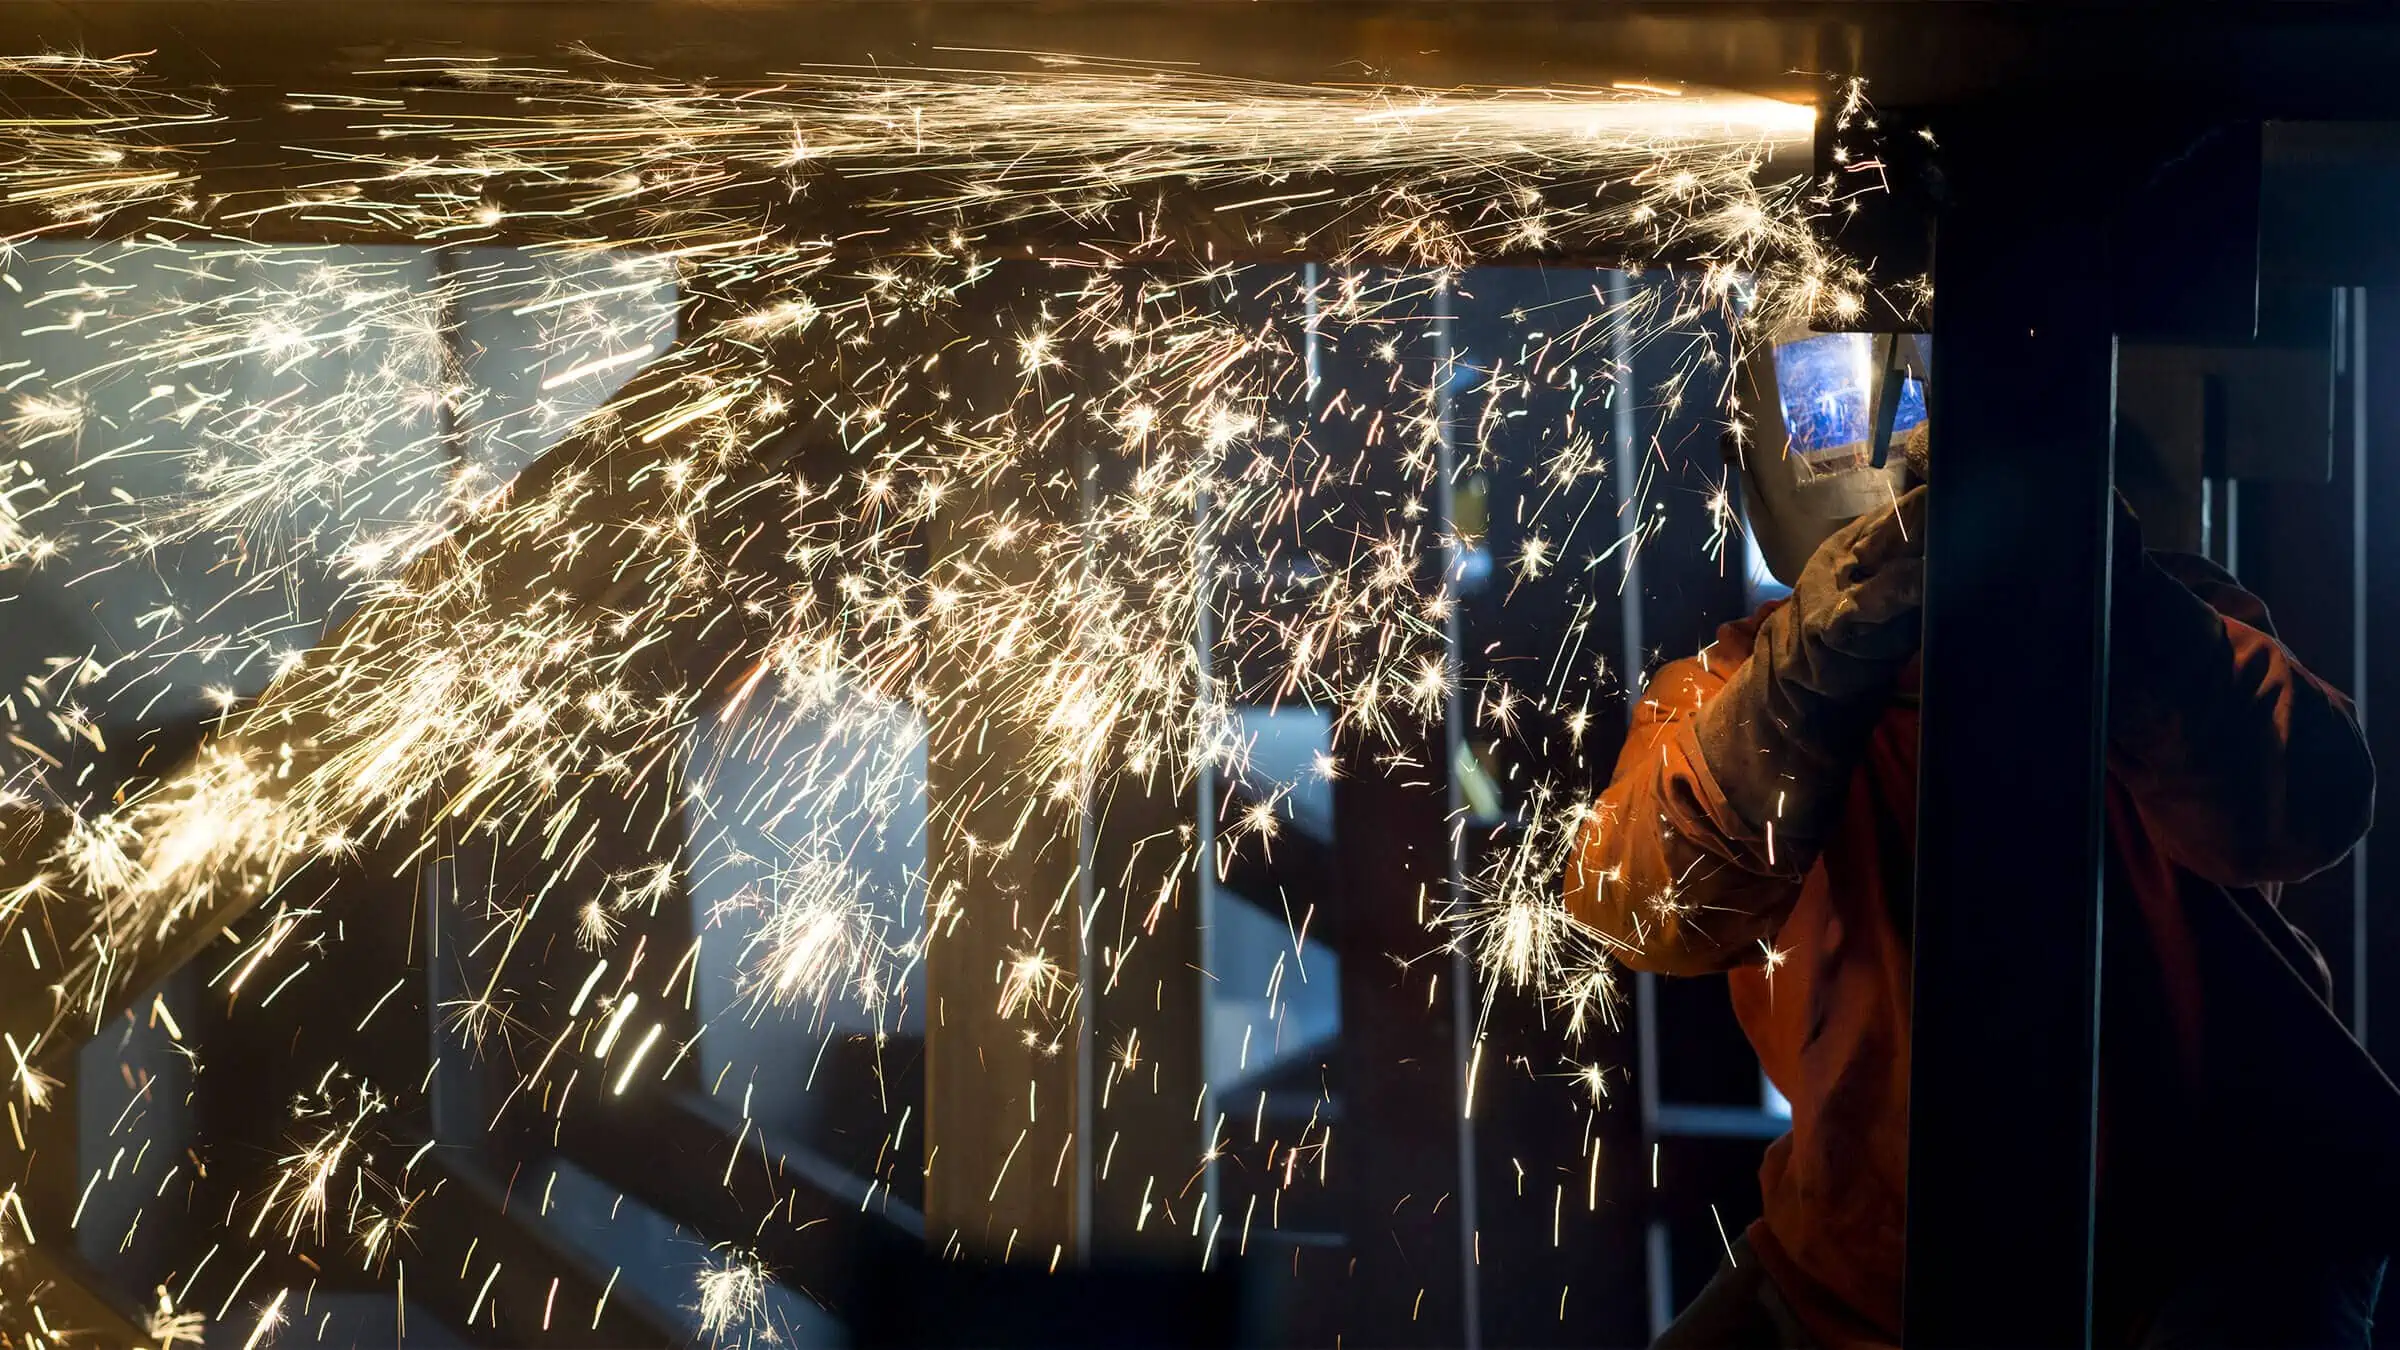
pixel 1828 385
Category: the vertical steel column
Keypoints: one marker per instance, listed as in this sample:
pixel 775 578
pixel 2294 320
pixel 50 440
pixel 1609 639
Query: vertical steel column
pixel 2007 925
pixel 1006 1170
pixel 1001 1109
pixel 2378 675
pixel 2355 371
pixel 1464 1031
pixel 1143 1036
pixel 1142 1070
pixel 1396 1146
pixel 1625 474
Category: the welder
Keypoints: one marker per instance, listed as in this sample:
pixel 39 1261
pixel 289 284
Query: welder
pixel 1761 821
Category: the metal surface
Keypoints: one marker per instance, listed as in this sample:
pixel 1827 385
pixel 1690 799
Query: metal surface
pixel 1143 1036
pixel 538 1291
pixel 1401 1060
pixel 2004 1079
pixel 2378 674
pixel 1007 1171
pixel 1398 1149
pixel 691 1158
pixel 2315 57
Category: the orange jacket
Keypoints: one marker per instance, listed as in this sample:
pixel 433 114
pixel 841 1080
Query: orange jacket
pixel 1818 953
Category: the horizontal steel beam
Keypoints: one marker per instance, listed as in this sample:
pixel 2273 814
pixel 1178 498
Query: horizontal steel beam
pixel 2260 60
pixel 541 1291
pixel 689 1158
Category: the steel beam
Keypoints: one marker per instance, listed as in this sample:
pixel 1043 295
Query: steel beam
pixel 692 1160
pixel 1397 1148
pixel 2378 677
pixel 2324 56
pixel 521 1286
pixel 1006 1171
pixel 2008 868
pixel 294 157
pixel 1143 1043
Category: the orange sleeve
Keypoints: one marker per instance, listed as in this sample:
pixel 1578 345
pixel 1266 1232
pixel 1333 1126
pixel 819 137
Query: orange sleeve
pixel 1668 876
pixel 2253 771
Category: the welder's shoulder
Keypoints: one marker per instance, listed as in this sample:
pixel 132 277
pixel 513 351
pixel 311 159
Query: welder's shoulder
pixel 2219 589
pixel 1680 687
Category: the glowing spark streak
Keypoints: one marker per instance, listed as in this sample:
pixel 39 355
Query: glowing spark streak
pixel 117 183
pixel 32 1082
pixel 17 1203
pixel 643 287
pixel 736 1155
pixel 397 985
pixel 597 365
pixel 77 1221
pixel 575 1008
pixel 626 1003
pixel 236 1292
pixel 1002 1175
pixel 480 1293
pixel 268 1320
pixel 649 1039
pixel 683 417
pixel 600 1304
pixel 1474 1070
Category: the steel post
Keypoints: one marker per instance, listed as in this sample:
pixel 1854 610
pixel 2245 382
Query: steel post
pixel 2007 913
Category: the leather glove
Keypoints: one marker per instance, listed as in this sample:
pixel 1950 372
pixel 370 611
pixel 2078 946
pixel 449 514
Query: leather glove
pixel 1784 734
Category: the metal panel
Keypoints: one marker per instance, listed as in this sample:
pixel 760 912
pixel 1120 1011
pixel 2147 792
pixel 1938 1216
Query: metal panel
pixel 1006 1173
pixel 2008 869
pixel 2378 676
pixel 1143 1048
pixel 1143 1066
pixel 1399 1138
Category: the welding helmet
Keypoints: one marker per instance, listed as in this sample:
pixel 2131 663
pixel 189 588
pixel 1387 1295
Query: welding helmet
pixel 1836 428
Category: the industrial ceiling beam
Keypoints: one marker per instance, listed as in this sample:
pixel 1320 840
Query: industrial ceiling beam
pixel 2262 59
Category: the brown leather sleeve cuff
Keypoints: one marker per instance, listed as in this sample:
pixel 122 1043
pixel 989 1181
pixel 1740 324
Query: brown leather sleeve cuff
pixel 1783 752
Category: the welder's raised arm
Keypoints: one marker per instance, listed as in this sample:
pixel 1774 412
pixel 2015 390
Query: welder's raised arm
pixel 1740 761
pixel 2249 768
pixel 1665 869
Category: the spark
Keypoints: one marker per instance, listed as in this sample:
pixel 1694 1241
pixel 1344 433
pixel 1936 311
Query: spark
pixel 595 925
pixel 1594 1079
pixel 171 1326
pixel 32 1082
pixel 1029 982
pixel 732 1295
pixel 270 1319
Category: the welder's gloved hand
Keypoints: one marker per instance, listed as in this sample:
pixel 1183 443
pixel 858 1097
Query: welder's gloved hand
pixel 1856 603
pixel 1785 733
